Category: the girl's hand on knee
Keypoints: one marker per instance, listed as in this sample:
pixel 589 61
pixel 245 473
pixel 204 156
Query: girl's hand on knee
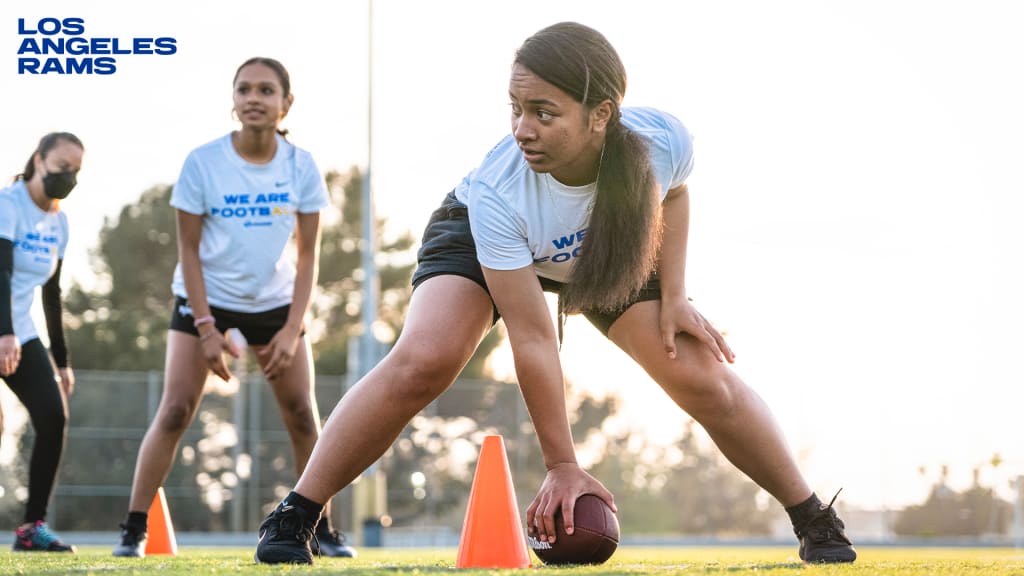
pixel 214 346
pixel 279 353
pixel 681 316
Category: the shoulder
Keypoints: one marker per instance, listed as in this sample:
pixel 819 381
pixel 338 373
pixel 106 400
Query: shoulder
pixel 303 158
pixel 214 149
pixel 669 138
pixel 7 192
pixel 503 169
pixel 9 196
pixel 654 123
pixel 215 146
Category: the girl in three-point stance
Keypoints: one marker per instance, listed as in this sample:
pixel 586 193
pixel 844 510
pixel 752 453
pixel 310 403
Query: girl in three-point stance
pixel 588 200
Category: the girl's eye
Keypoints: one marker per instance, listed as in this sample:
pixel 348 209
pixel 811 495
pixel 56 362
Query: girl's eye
pixel 515 108
pixel 544 115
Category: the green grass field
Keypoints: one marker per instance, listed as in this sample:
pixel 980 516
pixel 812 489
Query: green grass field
pixel 193 561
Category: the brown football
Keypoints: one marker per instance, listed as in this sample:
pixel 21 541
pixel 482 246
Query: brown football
pixel 593 542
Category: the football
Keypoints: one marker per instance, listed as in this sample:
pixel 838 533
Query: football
pixel 593 542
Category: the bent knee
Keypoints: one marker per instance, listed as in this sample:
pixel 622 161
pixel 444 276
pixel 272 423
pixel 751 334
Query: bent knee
pixel 704 394
pixel 300 418
pixel 174 418
pixel 422 375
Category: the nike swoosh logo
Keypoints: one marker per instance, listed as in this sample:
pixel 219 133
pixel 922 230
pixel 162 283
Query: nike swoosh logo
pixel 279 184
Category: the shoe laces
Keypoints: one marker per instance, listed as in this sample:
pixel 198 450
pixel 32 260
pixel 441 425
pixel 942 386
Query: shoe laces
pixel 130 535
pixel 824 525
pixel 293 523
pixel 330 536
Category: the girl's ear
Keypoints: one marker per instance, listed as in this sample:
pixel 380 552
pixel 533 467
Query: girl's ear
pixel 600 115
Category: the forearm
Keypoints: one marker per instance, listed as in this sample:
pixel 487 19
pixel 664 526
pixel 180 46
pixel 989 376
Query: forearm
pixel 6 275
pixel 53 310
pixel 306 272
pixel 190 233
pixel 195 287
pixel 672 264
pixel 307 266
pixel 519 299
pixel 540 378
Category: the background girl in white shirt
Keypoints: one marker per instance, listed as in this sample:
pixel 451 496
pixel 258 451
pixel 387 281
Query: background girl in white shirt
pixel 239 200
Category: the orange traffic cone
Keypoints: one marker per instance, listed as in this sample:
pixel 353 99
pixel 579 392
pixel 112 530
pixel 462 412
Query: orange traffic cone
pixel 161 531
pixel 492 535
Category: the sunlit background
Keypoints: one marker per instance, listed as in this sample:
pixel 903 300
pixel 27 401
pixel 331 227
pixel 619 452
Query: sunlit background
pixel 855 198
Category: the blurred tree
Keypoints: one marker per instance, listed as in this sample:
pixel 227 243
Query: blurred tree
pixel 338 305
pixel 121 323
pixel 974 512
pixel 684 488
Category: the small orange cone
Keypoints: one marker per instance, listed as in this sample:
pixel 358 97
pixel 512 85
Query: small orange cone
pixel 492 535
pixel 159 528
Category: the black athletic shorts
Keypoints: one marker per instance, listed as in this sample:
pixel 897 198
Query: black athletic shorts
pixel 258 328
pixel 448 248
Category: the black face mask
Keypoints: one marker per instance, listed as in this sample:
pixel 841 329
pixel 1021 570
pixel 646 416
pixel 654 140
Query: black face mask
pixel 58 185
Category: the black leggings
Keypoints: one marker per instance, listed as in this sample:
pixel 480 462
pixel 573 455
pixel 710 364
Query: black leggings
pixel 35 384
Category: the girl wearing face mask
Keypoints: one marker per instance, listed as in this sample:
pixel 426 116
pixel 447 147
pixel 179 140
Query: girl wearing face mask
pixel 33 236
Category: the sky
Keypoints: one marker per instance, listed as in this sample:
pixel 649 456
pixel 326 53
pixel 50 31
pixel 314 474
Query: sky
pixel 854 202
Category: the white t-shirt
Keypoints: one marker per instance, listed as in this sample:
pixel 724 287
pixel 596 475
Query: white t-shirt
pixel 39 240
pixel 248 216
pixel 520 217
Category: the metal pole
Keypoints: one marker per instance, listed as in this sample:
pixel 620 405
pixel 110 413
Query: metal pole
pixel 1018 516
pixel 368 348
pixel 368 344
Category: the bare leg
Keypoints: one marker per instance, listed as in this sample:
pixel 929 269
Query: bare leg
pixel 296 398
pixel 184 377
pixel 735 416
pixel 293 390
pixel 448 316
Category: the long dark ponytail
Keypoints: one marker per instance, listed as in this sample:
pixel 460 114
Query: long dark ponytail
pixel 624 234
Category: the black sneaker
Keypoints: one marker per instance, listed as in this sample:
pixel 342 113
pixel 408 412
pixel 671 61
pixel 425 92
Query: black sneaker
pixel 330 542
pixel 38 538
pixel 285 536
pixel 133 542
pixel 822 538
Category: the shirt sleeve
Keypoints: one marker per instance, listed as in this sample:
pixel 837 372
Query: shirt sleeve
pixel 312 188
pixel 188 191
pixel 682 151
pixel 65 233
pixel 499 234
pixel 8 217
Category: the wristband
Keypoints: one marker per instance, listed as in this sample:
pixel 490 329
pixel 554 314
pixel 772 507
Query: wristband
pixel 204 320
pixel 203 337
